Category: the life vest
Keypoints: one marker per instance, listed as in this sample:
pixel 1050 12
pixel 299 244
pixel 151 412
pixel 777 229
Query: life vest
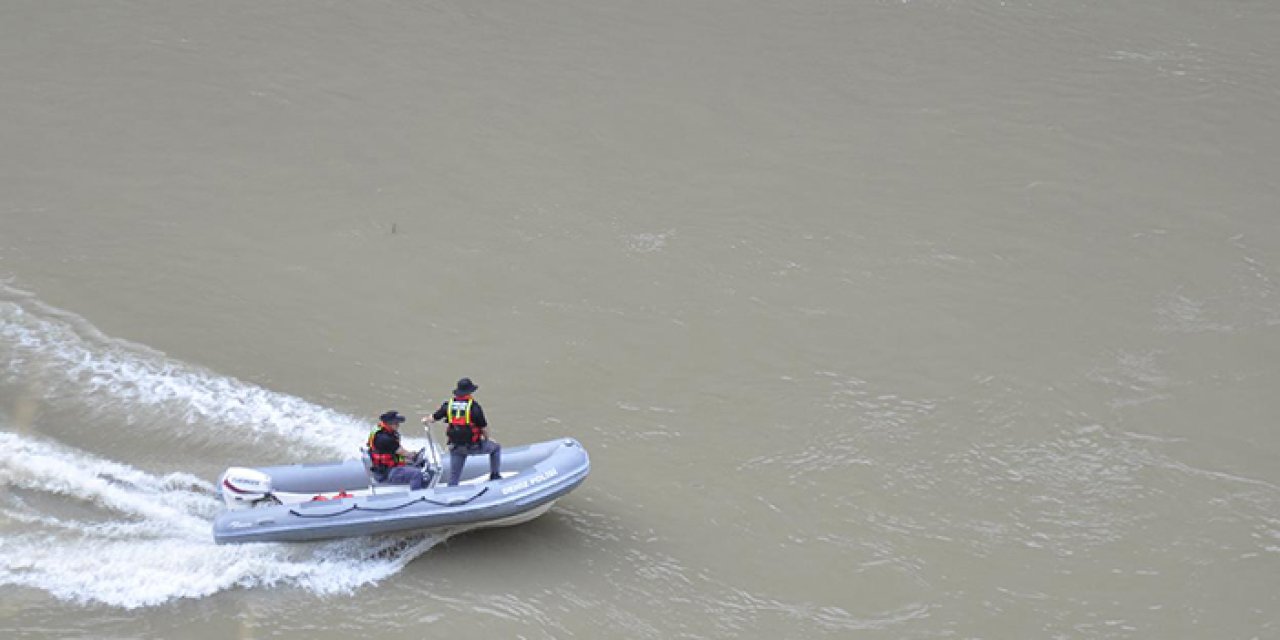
pixel 384 460
pixel 460 429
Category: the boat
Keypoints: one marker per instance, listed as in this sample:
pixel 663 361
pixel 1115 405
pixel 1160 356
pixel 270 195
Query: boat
pixel 318 501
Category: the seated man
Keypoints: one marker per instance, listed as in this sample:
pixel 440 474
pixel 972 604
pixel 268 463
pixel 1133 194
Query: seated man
pixel 389 458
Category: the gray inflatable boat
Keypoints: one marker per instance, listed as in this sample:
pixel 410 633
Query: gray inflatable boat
pixel 339 499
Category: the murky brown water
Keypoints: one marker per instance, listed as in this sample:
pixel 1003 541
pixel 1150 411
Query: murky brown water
pixel 879 319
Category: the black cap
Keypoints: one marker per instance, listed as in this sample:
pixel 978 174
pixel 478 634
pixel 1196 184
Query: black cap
pixel 391 417
pixel 466 386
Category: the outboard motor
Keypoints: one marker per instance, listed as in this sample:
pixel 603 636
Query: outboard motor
pixel 244 488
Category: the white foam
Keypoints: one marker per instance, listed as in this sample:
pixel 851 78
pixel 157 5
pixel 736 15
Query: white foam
pixel 69 362
pixel 146 539
pixel 91 530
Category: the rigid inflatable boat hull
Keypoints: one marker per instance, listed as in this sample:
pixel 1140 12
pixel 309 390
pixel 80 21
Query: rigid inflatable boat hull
pixel 535 476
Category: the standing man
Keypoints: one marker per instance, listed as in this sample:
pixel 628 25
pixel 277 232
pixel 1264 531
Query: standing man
pixel 468 431
pixel 389 456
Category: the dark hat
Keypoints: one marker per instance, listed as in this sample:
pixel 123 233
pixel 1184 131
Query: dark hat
pixel 466 386
pixel 391 417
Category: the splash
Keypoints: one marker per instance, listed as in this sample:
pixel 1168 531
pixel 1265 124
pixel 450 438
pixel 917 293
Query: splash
pixel 139 539
pixel 70 363
pixel 88 529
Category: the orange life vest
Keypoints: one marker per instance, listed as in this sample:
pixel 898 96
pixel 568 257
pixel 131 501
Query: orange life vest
pixel 461 430
pixel 385 460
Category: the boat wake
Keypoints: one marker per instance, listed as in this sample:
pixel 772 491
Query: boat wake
pixel 60 361
pixel 85 528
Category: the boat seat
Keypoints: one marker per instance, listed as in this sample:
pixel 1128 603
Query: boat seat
pixel 374 484
pixel 367 461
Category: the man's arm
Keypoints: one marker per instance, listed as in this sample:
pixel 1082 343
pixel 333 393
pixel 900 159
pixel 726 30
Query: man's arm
pixel 438 415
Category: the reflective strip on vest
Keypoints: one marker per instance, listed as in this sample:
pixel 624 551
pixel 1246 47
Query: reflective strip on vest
pixel 459 411
pixel 387 460
pixel 459 414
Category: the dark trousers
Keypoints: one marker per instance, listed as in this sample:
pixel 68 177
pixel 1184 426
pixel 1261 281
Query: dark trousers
pixel 411 476
pixel 458 454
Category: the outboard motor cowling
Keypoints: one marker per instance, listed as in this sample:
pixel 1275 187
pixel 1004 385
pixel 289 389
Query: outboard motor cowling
pixel 242 488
